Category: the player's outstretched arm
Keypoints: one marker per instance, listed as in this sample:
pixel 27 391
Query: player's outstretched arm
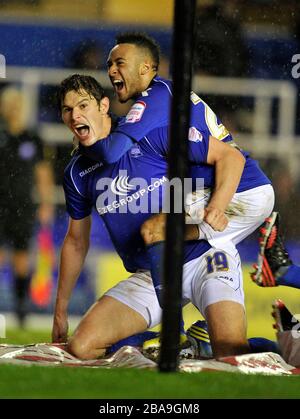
pixel 73 253
pixel 109 149
pixel 229 165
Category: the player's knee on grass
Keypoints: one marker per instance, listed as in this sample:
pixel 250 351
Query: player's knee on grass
pixel 82 349
pixel 153 229
pixel 108 321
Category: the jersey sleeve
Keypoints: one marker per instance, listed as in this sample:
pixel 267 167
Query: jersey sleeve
pixel 78 206
pixel 204 123
pixel 208 120
pixel 151 110
pixel 198 144
pixel 198 150
pixel 108 150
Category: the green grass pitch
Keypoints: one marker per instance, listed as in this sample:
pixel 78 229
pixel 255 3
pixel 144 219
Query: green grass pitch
pixel 66 382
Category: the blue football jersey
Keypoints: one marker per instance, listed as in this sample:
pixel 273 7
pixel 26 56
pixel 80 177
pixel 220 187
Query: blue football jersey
pixel 124 175
pixel 148 119
pixel 125 194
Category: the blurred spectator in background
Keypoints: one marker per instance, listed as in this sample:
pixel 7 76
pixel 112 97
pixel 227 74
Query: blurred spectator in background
pixel 220 50
pixel 287 199
pixel 87 55
pixel 22 167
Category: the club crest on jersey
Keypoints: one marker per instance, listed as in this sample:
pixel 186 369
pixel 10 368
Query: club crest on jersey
pixel 136 151
pixel 136 112
pixel 195 135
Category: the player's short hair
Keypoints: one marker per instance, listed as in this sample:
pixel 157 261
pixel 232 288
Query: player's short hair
pixel 141 40
pixel 79 82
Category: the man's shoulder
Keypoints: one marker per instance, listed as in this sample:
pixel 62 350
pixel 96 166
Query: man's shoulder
pixel 79 166
pixel 158 87
pixel 163 86
pixel 75 161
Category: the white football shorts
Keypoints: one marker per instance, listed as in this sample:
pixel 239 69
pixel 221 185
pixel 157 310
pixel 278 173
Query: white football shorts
pixel 215 276
pixel 246 212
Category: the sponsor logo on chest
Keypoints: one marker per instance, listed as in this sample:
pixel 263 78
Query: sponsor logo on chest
pixel 90 169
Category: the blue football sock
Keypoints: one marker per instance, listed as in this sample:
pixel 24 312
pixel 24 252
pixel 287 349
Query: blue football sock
pixel 258 345
pixel 291 277
pixel 155 253
pixel 134 340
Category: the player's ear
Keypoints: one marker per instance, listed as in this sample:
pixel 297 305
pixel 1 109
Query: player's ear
pixel 104 105
pixel 145 68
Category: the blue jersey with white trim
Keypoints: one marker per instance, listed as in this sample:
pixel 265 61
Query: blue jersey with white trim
pixel 149 119
pixel 125 194
pixel 127 191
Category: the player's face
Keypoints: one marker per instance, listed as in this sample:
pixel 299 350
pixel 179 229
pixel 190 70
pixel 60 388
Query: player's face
pixel 124 64
pixel 82 115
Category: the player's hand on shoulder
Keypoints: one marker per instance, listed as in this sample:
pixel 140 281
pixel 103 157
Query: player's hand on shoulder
pixel 215 218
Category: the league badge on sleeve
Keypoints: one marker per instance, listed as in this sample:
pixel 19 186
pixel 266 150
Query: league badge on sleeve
pixel 136 112
pixel 195 135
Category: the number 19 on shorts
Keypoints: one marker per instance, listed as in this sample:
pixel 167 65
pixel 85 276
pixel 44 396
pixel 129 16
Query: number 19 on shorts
pixel 217 262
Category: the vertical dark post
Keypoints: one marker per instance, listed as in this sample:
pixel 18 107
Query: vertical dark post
pixel 173 261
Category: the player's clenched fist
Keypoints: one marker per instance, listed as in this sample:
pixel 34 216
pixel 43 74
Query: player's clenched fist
pixel 153 229
pixel 215 218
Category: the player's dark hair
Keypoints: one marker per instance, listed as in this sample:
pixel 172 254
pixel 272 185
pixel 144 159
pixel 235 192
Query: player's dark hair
pixel 79 82
pixel 141 40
